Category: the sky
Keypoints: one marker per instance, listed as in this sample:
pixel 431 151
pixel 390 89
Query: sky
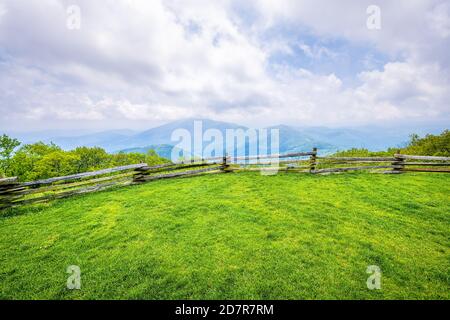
pixel 114 64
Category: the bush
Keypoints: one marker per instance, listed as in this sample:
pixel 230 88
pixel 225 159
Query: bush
pixel 7 146
pixel 355 152
pixel 41 161
pixel 430 145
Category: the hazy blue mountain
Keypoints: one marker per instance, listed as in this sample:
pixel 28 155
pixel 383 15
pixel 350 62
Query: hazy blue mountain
pixel 369 138
pixel 109 140
pixel 292 139
pixel 45 135
pixel 159 138
pixel 162 134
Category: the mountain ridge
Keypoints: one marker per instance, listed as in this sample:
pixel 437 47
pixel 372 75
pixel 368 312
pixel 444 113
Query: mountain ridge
pixel 327 140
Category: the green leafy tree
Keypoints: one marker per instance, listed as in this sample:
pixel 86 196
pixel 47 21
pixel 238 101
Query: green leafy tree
pixel 23 164
pixel 55 164
pixel 90 159
pixel 355 152
pixel 40 161
pixel 430 145
pixel 152 158
pixel 122 159
pixel 7 147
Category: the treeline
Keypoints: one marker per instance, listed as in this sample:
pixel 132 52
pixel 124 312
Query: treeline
pixel 40 161
pixel 36 161
pixel 430 145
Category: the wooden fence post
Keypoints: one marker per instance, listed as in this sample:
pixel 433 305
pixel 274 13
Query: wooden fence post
pixel 138 175
pixel 9 188
pixel 399 163
pixel 225 164
pixel 313 160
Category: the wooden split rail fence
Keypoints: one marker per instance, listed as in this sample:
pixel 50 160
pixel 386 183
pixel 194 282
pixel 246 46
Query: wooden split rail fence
pixel 397 164
pixel 14 193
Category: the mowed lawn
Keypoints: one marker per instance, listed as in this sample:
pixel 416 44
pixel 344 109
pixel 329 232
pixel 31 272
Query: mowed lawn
pixel 236 236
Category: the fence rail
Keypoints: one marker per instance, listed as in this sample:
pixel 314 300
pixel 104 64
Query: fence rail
pixel 431 158
pixel 275 156
pixel 14 193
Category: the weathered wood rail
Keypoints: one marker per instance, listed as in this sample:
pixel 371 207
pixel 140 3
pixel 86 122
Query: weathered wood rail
pixel 399 163
pixel 14 193
pixel 145 174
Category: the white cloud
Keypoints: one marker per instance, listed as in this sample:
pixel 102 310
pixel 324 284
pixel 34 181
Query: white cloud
pixel 415 91
pixel 439 19
pixel 2 10
pixel 156 61
pixel 316 52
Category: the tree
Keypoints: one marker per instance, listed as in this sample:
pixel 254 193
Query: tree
pixel 430 145
pixel 7 146
pixel 40 161
pixel 55 164
pixel 91 159
pixel 23 164
pixel 152 158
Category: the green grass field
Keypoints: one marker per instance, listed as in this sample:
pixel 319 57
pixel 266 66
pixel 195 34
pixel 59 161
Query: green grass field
pixel 236 236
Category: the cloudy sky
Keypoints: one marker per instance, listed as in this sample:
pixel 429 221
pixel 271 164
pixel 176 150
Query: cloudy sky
pixel 136 64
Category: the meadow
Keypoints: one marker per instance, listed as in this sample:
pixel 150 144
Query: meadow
pixel 236 236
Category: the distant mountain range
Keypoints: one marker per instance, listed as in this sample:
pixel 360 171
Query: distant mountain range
pixel 292 139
